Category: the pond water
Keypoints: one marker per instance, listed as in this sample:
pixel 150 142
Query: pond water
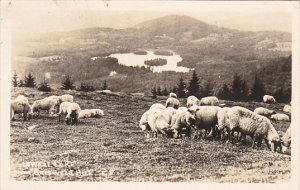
pixel 131 59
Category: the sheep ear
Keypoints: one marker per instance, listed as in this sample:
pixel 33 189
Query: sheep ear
pixel 197 109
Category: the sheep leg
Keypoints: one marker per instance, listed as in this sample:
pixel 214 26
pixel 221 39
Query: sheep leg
pixel 267 143
pixel 254 138
pixel 25 116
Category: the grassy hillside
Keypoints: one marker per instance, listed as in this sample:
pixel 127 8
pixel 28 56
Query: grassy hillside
pixel 113 148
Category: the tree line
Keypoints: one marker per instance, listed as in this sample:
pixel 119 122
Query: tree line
pixel 67 84
pixel 237 90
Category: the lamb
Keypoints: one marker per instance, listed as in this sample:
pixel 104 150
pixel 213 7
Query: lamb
pixel 172 102
pixel 90 113
pixel 254 125
pixel 286 140
pixel 280 117
pixel 49 104
pixel 182 119
pixel 287 109
pixel 206 118
pixel 269 99
pixel 70 110
pixel 192 100
pixel 264 111
pixel 209 100
pixel 21 107
pixel 172 95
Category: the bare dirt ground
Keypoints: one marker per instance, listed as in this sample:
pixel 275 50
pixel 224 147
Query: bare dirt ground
pixel 113 148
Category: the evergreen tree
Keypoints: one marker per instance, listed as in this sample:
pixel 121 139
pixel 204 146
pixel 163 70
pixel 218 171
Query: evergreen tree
pixel 165 92
pixel 21 83
pixel 225 93
pixel 193 88
pixel 104 86
pixel 153 91
pixel 158 91
pixel 67 84
pixel 181 88
pixel 15 81
pixel 239 88
pixel 258 89
pixel 29 81
pixel 44 87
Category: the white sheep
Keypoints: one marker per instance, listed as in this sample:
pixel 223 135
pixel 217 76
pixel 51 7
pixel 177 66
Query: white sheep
pixel 254 125
pixel 20 107
pixel 90 113
pixel 143 123
pixel 71 112
pixel 160 121
pixel 287 109
pixel 49 103
pixel 182 120
pixel 280 117
pixel 286 140
pixel 66 98
pixel 209 101
pixel 192 100
pixel 264 111
pixel 172 102
pixel 206 118
pixel 22 98
pixel 172 95
pixel 269 99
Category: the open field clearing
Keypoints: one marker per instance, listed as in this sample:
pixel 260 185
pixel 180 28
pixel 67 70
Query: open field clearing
pixel 113 148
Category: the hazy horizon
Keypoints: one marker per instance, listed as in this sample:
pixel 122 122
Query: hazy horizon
pixel 65 16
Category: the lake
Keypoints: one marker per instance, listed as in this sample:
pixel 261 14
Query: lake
pixel 131 59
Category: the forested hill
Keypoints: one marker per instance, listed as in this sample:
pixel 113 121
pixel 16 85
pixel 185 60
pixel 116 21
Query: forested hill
pixel 216 53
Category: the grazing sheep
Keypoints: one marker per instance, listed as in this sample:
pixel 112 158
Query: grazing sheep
pixel 223 122
pixel 70 110
pixel 286 140
pixel 280 117
pixel 66 98
pixel 287 109
pixel 22 98
pixel 172 102
pixel 254 125
pixel 209 101
pixel 172 95
pixel 49 104
pixel 182 120
pixel 90 113
pixel 143 123
pixel 269 99
pixel 206 118
pixel 20 107
pixel 192 100
pixel 264 111
pixel 160 121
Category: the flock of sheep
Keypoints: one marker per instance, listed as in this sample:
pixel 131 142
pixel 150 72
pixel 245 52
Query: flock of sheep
pixel 203 116
pixel 219 122
pixel 64 105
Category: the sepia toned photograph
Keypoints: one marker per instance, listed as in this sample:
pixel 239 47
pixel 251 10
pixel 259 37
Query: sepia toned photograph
pixel 150 91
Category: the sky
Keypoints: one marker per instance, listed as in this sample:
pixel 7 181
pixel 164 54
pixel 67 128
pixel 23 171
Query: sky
pixel 55 15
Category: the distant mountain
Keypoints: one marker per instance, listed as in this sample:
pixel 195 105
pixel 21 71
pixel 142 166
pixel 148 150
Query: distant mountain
pixel 199 44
